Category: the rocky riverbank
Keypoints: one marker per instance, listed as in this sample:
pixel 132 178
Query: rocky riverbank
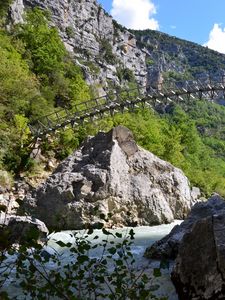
pixel 108 181
pixel 111 181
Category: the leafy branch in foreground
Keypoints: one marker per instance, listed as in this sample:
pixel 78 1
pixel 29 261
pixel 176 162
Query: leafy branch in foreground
pixel 90 267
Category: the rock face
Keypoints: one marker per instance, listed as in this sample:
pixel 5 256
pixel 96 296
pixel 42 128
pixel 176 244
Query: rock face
pixel 169 245
pixel 105 49
pixel 12 196
pixel 199 245
pixel 199 272
pixel 110 55
pixel 92 37
pixel 111 174
pixel 19 229
pixel 8 203
pixel 170 56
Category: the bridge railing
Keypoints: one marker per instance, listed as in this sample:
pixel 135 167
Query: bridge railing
pixel 79 111
pixel 125 98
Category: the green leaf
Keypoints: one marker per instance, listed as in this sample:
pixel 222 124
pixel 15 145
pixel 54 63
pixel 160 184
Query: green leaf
pixel 90 231
pixel 82 258
pixel 119 235
pixel 112 250
pixel 102 216
pixel 145 278
pixel 131 233
pixel 104 262
pixel 119 262
pixel 106 232
pixel 61 244
pixel 157 272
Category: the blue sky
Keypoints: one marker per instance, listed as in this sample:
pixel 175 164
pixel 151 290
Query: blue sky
pixel 200 21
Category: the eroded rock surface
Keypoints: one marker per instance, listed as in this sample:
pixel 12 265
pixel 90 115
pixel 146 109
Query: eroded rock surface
pixel 106 50
pixel 169 245
pixel 199 247
pixel 20 229
pixel 199 271
pixel 89 34
pixel 111 174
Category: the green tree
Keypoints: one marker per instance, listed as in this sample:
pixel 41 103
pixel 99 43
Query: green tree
pixel 4 6
pixel 43 44
pixel 17 85
pixel 18 88
pixel 62 81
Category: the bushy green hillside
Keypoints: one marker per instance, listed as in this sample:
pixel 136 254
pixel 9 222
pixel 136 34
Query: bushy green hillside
pixel 184 56
pixel 37 75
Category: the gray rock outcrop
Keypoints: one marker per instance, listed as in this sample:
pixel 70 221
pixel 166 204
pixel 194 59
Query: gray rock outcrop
pixel 12 196
pixel 16 11
pixel 110 174
pixel 199 271
pixel 16 229
pixel 8 203
pixel 199 247
pixel 168 246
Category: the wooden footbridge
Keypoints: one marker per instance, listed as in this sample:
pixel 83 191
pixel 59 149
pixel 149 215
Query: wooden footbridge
pixel 120 101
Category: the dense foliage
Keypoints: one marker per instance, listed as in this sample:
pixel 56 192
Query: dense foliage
pixel 36 76
pixel 4 5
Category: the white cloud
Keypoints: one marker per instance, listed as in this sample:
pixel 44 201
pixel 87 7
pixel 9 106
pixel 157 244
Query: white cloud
pixel 216 38
pixel 135 14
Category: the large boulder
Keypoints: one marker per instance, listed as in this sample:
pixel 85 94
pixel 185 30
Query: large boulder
pixel 168 246
pixel 21 229
pixel 111 174
pixel 199 271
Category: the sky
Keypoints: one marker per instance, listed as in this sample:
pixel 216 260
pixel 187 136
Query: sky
pixel 199 21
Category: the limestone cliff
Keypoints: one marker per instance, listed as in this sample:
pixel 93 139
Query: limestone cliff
pixel 100 45
pixel 169 58
pixel 107 51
